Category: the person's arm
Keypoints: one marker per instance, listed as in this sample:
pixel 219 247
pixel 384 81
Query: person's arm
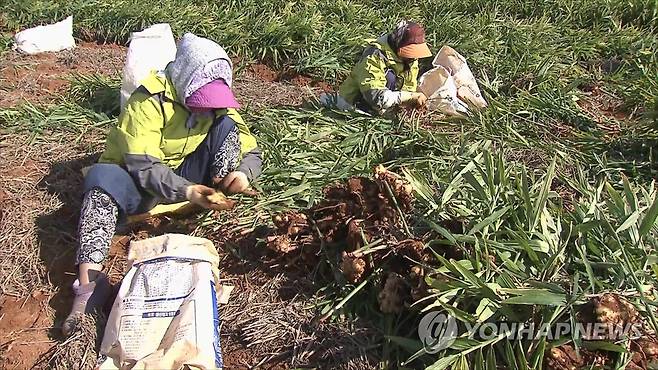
pixel 156 177
pixel 248 170
pixel 371 72
pixel 251 164
pixel 138 135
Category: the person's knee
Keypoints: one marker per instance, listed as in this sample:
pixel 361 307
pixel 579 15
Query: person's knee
pixel 115 181
pixel 103 176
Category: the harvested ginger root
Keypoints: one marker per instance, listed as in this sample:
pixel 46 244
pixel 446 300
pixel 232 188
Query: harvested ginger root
pixel 221 200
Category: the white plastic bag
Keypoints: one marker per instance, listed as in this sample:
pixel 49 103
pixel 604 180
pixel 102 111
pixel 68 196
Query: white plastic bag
pixel 439 87
pixel 165 315
pixel 150 49
pixel 53 37
pixel 467 88
pixel 450 86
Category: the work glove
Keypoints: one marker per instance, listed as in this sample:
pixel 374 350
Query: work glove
pixel 417 98
pixel 421 99
pixel 234 182
pixel 202 195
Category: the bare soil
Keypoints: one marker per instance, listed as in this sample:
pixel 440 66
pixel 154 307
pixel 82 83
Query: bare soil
pixel 24 327
pixel 39 79
pixel 604 108
pixel 259 86
pixel 43 78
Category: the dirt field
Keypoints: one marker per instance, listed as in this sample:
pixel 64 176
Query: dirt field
pixel 266 323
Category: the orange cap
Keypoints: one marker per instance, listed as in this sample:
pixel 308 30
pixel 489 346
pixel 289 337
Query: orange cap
pixel 411 41
pixel 415 51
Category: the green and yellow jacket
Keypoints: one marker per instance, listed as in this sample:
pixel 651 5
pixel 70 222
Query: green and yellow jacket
pixel 379 77
pixel 154 135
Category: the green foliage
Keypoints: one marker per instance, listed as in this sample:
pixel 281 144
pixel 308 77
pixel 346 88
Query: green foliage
pixel 5 43
pixel 532 256
pixel 537 241
pixel 506 40
pixel 307 149
pixel 66 117
pixel 533 58
pixel 96 92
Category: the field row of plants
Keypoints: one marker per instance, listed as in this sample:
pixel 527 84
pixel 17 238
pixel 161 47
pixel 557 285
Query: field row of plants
pixel 556 41
pixel 575 64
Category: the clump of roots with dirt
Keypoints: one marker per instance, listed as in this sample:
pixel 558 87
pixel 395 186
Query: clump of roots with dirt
pixel 359 228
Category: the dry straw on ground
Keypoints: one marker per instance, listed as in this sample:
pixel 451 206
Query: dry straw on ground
pixel 39 186
pixel 79 351
pixel 276 329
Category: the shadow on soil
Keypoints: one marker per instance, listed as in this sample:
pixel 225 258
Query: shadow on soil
pixel 337 345
pixel 57 232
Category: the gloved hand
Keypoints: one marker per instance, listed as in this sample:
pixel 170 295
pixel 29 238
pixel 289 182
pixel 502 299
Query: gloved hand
pixel 418 98
pixel 198 194
pixel 421 99
pixel 234 182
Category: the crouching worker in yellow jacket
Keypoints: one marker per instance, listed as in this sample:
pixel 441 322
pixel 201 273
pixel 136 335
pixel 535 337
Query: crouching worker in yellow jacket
pixel 387 74
pixel 178 139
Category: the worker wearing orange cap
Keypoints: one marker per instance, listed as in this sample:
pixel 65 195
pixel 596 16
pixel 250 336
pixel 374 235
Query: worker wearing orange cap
pixel 387 74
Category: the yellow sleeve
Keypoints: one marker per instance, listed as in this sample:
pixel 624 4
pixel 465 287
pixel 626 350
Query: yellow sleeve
pixel 370 73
